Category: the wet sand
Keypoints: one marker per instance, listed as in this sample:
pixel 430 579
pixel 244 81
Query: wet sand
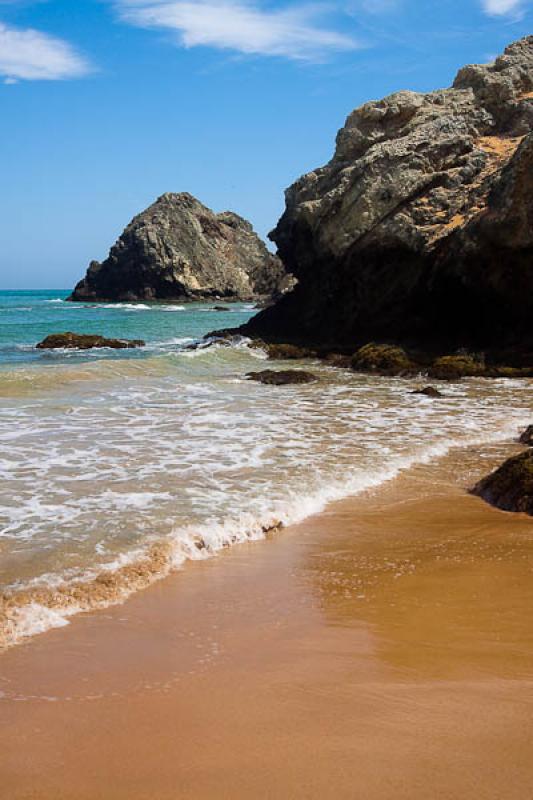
pixel 382 649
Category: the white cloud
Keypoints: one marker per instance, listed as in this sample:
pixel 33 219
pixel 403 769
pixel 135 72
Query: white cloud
pixel 498 8
pixel 240 25
pixel 31 55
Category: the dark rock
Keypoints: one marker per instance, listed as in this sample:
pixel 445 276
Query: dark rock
pixel 179 250
pixel 83 341
pixel 382 359
pixel 527 436
pixel 282 377
pixel 510 487
pixel 221 308
pixel 287 352
pixel 419 231
pixel 452 368
pixel 428 391
pixel 338 360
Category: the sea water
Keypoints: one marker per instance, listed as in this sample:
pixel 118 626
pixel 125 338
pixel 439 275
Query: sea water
pixel 116 467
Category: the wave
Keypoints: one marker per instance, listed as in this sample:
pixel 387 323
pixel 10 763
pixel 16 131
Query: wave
pixel 53 600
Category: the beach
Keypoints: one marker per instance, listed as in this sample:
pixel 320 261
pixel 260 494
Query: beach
pixel 380 649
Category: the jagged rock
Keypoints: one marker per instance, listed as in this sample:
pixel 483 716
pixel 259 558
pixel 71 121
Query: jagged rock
pixel 84 341
pixel 179 250
pixel 428 391
pixel 382 359
pixel 510 487
pixel 527 436
pixel 282 377
pixel 419 231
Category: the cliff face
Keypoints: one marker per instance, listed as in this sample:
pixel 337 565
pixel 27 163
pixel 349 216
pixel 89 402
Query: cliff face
pixel 180 250
pixel 420 229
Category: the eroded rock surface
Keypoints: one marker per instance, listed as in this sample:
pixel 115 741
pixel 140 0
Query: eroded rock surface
pixel 419 231
pixel 179 250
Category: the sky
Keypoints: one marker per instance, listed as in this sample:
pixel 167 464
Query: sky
pixel 107 104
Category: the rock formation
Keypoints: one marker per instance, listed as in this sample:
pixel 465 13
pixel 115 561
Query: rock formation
pixel 179 250
pixel 510 487
pixel 419 231
pixel 282 377
pixel 85 341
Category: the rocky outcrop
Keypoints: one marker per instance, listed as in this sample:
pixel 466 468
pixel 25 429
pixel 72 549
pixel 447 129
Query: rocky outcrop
pixel 420 229
pixel 510 487
pixel 179 250
pixel 85 341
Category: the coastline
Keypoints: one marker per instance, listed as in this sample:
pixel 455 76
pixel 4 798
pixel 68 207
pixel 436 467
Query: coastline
pixel 380 649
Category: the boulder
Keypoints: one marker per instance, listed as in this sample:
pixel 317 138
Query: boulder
pixel 510 487
pixel 419 231
pixel 84 341
pixel 179 250
pixel 527 436
pixel 283 377
pixel 287 352
pixel 428 391
pixel 452 368
pixel 382 359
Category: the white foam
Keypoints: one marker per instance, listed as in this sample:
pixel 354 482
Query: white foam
pixel 182 451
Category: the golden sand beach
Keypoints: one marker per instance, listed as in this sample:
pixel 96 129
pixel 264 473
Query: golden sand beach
pixel 380 650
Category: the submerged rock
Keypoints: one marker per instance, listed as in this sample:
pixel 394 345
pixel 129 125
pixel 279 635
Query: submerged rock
pixel 84 341
pixel 510 487
pixel 428 391
pixel 527 436
pixel 179 250
pixel 282 377
pixel 419 230
pixel 383 359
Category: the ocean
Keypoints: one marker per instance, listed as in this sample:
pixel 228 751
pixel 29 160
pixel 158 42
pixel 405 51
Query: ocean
pixel 117 467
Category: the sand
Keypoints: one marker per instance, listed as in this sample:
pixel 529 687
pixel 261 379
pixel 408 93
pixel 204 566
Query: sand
pixel 382 649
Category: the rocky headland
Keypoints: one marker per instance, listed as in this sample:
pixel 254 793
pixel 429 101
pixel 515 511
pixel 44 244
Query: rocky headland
pixel 419 231
pixel 179 250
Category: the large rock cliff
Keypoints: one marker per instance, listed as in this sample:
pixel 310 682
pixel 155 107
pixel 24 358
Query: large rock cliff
pixel 420 229
pixel 179 250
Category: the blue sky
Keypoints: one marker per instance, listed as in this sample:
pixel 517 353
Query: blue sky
pixel 106 104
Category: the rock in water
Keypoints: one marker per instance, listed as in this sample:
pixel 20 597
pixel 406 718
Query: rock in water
pixel 179 250
pixel 419 231
pixel 428 391
pixel 85 341
pixel 510 487
pixel 527 436
pixel 282 377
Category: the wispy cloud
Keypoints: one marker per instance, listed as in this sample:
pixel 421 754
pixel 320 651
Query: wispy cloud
pixel 242 26
pixel 27 54
pixel 500 8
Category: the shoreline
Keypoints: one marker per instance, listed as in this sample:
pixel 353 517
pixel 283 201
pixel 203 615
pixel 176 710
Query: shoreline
pixel 380 649
pixel 31 612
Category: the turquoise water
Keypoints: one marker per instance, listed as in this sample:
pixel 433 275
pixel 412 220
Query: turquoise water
pixel 26 317
pixel 117 467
